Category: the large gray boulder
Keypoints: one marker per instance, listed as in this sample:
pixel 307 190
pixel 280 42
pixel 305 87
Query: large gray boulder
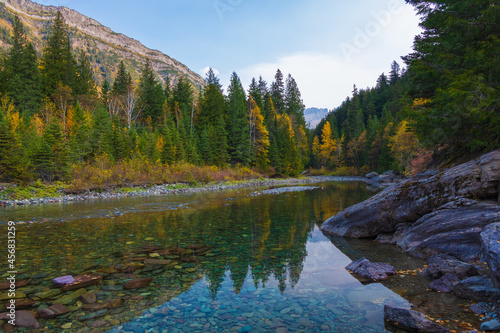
pixel 477 288
pixel 411 320
pixel 456 232
pixel 440 265
pixel 407 202
pixel 490 239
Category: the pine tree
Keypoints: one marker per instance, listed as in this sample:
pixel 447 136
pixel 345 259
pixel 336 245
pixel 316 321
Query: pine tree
pixel 79 135
pixel 218 140
pixel 58 64
pixel 23 77
pixel 85 87
pixel 213 104
pixel 455 65
pixel 151 95
pixel 11 161
pixel 105 92
pixel 278 92
pixel 293 102
pixel 101 133
pixel 122 81
pixel 237 126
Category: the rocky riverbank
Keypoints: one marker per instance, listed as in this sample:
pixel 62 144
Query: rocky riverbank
pixel 176 189
pixel 453 213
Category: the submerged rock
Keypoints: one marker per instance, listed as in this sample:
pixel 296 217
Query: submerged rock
pixel 137 283
pixel 83 281
pixel 53 311
pixel 374 271
pixel 411 320
pixel 23 319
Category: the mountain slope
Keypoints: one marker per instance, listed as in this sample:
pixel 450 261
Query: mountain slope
pixel 104 47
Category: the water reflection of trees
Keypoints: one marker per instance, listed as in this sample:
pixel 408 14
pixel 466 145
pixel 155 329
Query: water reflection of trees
pixel 263 236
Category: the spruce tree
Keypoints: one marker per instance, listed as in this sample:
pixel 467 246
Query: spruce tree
pixel 293 101
pixel 85 84
pixel 278 92
pixel 213 104
pixel 122 80
pixel 151 95
pixel 22 73
pixel 58 64
pixel 237 125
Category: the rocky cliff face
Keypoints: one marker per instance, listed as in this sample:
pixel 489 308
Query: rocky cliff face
pixel 104 47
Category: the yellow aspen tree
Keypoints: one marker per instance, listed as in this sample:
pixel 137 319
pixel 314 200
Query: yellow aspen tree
pixel 259 136
pixel 328 150
pixel 404 145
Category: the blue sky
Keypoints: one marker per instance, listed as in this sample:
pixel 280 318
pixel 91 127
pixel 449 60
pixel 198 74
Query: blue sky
pixel 327 45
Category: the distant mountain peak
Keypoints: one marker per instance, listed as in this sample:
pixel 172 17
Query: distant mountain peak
pixel 314 116
pixel 105 47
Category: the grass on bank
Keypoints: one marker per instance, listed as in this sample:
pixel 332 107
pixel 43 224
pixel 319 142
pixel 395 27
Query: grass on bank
pixel 127 176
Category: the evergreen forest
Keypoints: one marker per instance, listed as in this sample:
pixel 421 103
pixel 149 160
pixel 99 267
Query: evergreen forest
pixel 56 124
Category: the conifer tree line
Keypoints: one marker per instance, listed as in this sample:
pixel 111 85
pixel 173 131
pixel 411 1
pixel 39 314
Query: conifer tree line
pixel 370 130
pixel 53 116
pixel 446 100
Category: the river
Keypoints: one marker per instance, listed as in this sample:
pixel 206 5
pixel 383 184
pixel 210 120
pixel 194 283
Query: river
pixel 233 261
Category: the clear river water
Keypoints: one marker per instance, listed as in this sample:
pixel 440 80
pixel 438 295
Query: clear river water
pixel 232 261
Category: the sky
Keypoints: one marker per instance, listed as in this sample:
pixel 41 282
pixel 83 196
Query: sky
pixel 326 45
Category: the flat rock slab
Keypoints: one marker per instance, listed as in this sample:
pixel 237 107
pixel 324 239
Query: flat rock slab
pixel 83 281
pixel 113 304
pixel 18 284
pixel 53 311
pixel 157 262
pixel 453 231
pixel 477 288
pixel 68 299
pixel 373 271
pixel 411 320
pixel 442 264
pixel 137 283
pixel 22 303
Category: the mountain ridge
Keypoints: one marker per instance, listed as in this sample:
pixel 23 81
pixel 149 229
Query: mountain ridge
pixel 104 47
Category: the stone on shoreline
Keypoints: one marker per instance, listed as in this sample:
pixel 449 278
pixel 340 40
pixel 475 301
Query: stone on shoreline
pixel 411 320
pixel 445 283
pixel 477 288
pixel 373 271
pixel 443 264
